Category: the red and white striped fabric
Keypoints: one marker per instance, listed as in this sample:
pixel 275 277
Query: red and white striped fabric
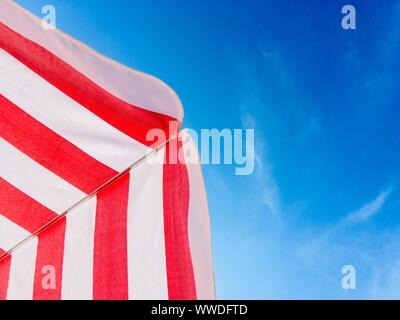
pixel 72 121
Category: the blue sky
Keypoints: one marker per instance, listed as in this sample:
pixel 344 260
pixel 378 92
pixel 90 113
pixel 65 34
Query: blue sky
pixel 325 106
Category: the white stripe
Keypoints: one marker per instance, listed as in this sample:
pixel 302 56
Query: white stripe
pixel 10 233
pixel 129 85
pixel 199 223
pixel 63 115
pixel 22 272
pixel 77 283
pixel 36 181
pixel 147 271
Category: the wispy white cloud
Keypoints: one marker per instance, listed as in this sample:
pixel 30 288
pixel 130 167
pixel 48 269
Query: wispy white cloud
pixel 326 236
pixel 266 189
pixel 340 243
pixel 368 210
pixel 265 182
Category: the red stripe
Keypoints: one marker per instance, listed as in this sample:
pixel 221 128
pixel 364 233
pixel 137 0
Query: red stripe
pixel 49 262
pixel 22 209
pixel 180 274
pixel 51 150
pixel 132 120
pixel 110 274
pixel 5 265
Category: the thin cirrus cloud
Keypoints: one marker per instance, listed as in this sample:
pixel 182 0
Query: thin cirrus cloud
pixel 368 210
pixel 326 240
pixel 267 186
